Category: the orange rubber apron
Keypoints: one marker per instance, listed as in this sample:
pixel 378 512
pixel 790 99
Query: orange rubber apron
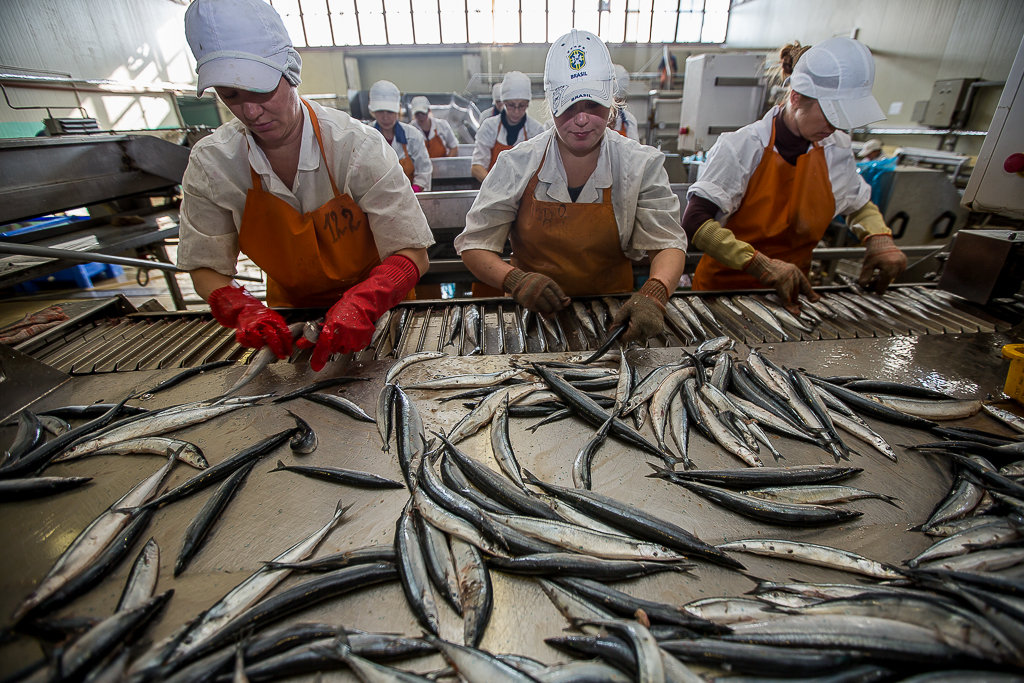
pixel 499 148
pixel 436 147
pixel 310 258
pixel 784 214
pixel 405 161
pixel 620 125
pixel 576 245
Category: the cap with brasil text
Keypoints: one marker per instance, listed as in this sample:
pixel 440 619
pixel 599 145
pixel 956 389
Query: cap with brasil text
pixel 578 67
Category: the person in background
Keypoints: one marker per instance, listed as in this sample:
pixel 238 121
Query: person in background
pixel 666 72
pixel 509 128
pixel 496 105
pixel 871 151
pixel 770 189
pixel 440 138
pixel 313 197
pixel 407 141
pixel 622 121
pixel 578 203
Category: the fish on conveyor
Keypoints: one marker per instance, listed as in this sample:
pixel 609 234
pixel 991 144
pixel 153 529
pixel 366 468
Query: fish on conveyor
pixel 749 478
pixel 411 440
pixel 679 427
pixel 649 384
pixel 783 315
pixel 475 586
pixel 305 441
pixel 821 494
pixel 454 327
pixel 683 306
pixel 188 453
pixel 769 510
pixel 366 670
pixel 29 436
pixel 755 310
pixel 573 607
pixel 91 411
pixel 1006 417
pixel 317 386
pixel 365 555
pixel 726 611
pixel 861 430
pixel 649 663
pixel 600 313
pixel 37 487
pixel 405 361
pixel 582 463
pixel 54 425
pixel 574 564
pixel 222 470
pixel 385 411
pixel 710 425
pixel 471 327
pixel 636 522
pixel 91 542
pixel 153 425
pixel 661 401
pixel 872 386
pixel 680 326
pixel 412 568
pixel 967 541
pixel 468 381
pixel 610 340
pixel 251 590
pixel 142 580
pixel 587 408
pixel 930 410
pixel 626 605
pixel 482 415
pixel 812 553
pixel 962 498
pixel 477 666
pixel 262 358
pixel 501 445
pixel 203 523
pixel 187 374
pixel 456 524
pixel 759 659
pixel 871 407
pixel 341 404
pixel 583 316
pixel 438 557
pixel 336 475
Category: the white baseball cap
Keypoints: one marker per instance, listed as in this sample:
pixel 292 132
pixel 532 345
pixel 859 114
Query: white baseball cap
pixel 839 73
pixel 385 96
pixel 869 147
pixel 496 93
pixel 240 44
pixel 515 86
pixel 621 81
pixel 420 104
pixel 578 67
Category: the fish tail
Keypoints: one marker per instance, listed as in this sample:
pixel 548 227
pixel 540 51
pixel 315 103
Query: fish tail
pixel 658 473
pixel 891 500
pixel 280 466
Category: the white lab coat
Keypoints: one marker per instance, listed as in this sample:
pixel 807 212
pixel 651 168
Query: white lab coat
pixel 488 135
pixel 423 169
pixel 438 127
pixel 646 209
pixel 217 179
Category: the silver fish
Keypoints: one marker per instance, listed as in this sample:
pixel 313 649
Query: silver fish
pixel 475 585
pixel 489 379
pixel 930 410
pixel 683 305
pixel 967 541
pixel 141 583
pixel 584 318
pixel 1005 416
pixel 454 326
pixel 404 362
pixel 471 327
pixel 501 444
pixel 261 360
pixel 811 553
pixel 188 453
pixel 661 400
pixel 554 330
pixel 821 494
pixel 481 415
pixel 862 431
pixel 600 315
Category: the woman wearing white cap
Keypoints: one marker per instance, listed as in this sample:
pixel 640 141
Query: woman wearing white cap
pixel 507 129
pixel 314 198
pixel 770 189
pixel 496 105
pixel 871 150
pixel 578 202
pixel 622 120
pixel 407 141
pixel 441 140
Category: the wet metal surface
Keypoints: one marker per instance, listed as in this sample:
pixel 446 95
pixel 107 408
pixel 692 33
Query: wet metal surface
pixel 274 510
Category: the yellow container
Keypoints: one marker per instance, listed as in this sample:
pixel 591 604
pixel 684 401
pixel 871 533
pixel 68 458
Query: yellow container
pixel 1015 377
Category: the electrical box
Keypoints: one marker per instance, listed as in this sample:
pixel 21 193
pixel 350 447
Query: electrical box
pixel 721 93
pixel 946 100
pixel 920 111
pixel 997 181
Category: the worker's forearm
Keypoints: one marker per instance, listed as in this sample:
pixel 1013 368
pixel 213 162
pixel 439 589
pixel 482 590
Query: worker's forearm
pixel 206 280
pixel 487 266
pixel 454 151
pixel 479 172
pixel 667 266
pixel 417 256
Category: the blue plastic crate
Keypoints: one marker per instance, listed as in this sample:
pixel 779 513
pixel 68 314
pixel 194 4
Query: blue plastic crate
pixel 81 275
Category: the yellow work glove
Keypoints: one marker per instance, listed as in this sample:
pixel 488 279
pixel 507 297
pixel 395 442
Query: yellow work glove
pixel 720 244
pixel 867 221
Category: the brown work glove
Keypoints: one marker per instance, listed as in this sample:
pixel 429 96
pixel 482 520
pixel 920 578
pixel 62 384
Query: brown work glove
pixel 535 292
pixel 644 312
pixel 884 256
pixel 788 280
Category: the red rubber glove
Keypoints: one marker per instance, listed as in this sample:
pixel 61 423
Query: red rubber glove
pixel 416 188
pixel 788 280
pixel 883 255
pixel 256 324
pixel 349 324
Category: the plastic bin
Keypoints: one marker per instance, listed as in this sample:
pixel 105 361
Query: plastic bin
pixel 1015 377
pixel 81 276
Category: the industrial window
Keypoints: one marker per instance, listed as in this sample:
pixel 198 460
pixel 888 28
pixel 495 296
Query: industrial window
pixel 325 23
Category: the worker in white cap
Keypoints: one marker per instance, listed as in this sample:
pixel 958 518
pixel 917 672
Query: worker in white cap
pixel 438 133
pixel 385 105
pixel 496 105
pixel 622 120
pixel 579 203
pixel 770 190
pixel 871 150
pixel 313 197
pixel 509 128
